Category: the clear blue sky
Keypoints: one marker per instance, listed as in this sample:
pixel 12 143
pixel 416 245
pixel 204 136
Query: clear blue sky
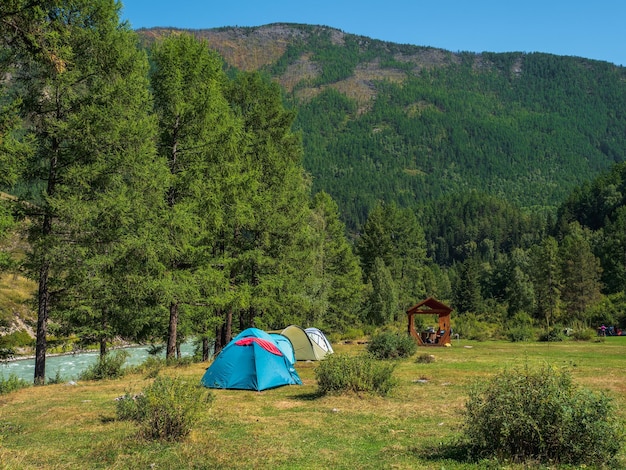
pixel 591 29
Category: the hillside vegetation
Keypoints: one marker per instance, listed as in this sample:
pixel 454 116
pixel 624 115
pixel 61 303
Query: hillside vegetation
pixel 409 124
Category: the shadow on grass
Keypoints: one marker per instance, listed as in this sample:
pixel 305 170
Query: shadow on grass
pixel 307 396
pixel 104 419
pixel 452 452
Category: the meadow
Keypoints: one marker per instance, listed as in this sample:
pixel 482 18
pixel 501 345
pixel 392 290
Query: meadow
pixel 74 426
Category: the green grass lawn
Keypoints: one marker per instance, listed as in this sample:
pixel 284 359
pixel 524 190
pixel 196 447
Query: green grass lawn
pixel 75 427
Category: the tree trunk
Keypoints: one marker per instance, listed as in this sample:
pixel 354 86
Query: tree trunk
pixel 228 333
pixel 205 348
pixel 42 325
pixel 43 296
pixel 171 336
pixel 223 333
pixel 103 339
pixel 219 345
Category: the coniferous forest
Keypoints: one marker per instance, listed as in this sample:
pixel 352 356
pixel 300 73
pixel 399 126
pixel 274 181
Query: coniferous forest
pixel 158 186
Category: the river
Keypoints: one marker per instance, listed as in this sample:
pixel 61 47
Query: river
pixel 70 366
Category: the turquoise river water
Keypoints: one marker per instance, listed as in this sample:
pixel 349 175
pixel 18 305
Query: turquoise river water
pixel 71 365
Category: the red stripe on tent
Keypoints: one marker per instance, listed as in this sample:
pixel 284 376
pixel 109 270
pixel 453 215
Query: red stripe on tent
pixel 265 344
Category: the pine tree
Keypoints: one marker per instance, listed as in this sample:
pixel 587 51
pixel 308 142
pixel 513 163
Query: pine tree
pixel 382 305
pixel 580 273
pixel 395 236
pixel 546 278
pixel 375 241
pixel 16 24
pixel 200 139
pixel 266 246
pixel 613 253
pixel 337 267
pixel 467 295
pixel 84 99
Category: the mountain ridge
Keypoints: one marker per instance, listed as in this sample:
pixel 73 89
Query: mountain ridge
pixel 409 124
pixel 252 48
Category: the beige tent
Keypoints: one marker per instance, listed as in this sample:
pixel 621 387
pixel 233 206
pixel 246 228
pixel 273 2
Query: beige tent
pixel 304 347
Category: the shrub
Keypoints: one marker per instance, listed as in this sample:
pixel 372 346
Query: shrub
pixel 520 328
pixel 553 335
pixel 166 409
pixel 352 334
pixel 340 373
pixel 538 415
pixel 57 379
pixel 583 334
pixel 470 326
pixel 6 354
pixel 127 407
pixel 17 339
pixel 153 362
pixel 150 367
pixel 180 361
pixel 520 333
pixel 11 384
pixel 389 345
pixel 108 366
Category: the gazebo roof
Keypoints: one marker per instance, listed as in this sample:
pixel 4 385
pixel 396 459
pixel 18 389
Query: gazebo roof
pixel 433 306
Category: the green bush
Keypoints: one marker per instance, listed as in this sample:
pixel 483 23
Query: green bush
pixel 471 326
pixel 520 328
pixel 11 384
pixel 6 354
pixel 352 334
pixel 57 379
pixel 389 345
pixel 17 339
pixel 166 409
pixel 108 366
pixel 555 334
pixel 127 407
pixel 339 373
pixel 180 361
pixel 150 367
pixel 520 333
pixel 583 334
pixel 539 416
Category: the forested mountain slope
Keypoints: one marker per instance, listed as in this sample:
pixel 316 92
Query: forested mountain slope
pixel 409 124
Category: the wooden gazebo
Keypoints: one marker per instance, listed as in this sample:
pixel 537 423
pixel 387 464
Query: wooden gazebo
pixel 431 306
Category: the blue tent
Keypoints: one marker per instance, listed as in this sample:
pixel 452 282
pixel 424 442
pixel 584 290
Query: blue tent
pixel 284 344
pixel 253 360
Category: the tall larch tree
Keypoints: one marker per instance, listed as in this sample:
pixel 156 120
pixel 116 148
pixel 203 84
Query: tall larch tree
pixel 613 253
pixel 267 245
pixel 394 236
pixel 199 138
pixel 382 303
pixel 375 241
pixel 580 274
pixel 83 98
pixel 466 294
pixel 337 268
pixel 125 181
pixel 546 277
